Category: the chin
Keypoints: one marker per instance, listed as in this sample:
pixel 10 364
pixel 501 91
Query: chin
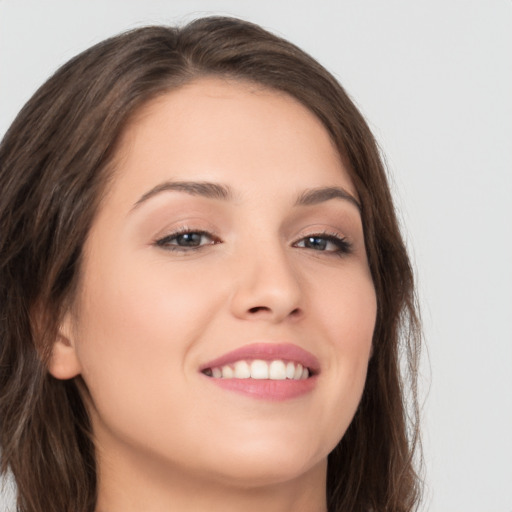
pixel 260 471
pixel 265 462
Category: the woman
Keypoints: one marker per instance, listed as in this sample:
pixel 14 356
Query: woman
pixel 203 285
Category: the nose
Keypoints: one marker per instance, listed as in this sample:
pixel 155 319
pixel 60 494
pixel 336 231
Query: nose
pixel 267 287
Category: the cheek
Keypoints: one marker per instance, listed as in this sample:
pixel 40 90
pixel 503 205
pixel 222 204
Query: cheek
pixel 356 320
pixel 348 309
pixel 137 326
pixel 136 330
pixel 348 315
pixel 134 300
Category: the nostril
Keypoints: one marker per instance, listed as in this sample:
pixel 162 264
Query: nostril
pixel 257 309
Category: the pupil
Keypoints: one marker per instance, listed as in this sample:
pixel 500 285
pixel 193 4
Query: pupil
pixel 314 242
pixel 189 239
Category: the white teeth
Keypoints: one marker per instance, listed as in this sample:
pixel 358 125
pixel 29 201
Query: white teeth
pixel 290 370
pixel 277 370
pixel 227 372
pixel 259 369
pixel 242 370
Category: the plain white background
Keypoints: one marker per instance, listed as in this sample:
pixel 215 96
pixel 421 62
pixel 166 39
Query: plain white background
pixel 434 79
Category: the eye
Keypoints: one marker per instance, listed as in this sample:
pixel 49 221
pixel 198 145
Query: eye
pixel 324 242
pixel 186 239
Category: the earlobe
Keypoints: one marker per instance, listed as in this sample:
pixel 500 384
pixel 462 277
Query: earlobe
pixel 64 363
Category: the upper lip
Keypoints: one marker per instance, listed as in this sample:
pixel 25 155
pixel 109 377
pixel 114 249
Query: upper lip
pixel 267 352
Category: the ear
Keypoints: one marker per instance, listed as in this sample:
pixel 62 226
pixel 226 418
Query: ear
pixel 64 362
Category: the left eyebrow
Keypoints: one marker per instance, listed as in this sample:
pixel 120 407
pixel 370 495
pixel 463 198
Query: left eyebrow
pixel 320 195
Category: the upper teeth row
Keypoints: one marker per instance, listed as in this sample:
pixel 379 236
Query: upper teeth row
pixel 259 369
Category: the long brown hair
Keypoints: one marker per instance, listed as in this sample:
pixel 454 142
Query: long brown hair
pixel 55 162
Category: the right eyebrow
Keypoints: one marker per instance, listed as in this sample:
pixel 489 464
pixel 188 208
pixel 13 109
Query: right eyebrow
pixel 194 188
pixel 322 194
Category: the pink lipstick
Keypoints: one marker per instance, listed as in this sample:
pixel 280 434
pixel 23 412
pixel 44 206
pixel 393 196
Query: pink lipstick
pixel 265 371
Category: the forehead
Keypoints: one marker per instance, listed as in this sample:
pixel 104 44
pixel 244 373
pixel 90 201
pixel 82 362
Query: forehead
pixel 240 133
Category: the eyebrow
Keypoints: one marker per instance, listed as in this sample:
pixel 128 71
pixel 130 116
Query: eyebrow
pixel 320 195
pixel 194 188
pixel 209 190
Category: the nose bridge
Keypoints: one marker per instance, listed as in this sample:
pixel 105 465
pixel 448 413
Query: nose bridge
pixel 267 285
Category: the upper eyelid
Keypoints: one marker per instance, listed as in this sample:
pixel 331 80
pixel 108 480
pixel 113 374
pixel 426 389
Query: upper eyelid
pixel 180 230
pixel 326 232
pixel 323 233
pixel 327 236
pixel 177 233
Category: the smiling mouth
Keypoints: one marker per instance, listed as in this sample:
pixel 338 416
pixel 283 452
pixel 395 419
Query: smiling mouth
pixel 265 371
pixel 259 369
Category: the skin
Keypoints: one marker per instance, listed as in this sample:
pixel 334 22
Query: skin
pixel 147 316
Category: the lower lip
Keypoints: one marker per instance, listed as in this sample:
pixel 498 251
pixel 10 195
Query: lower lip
pixel 266 389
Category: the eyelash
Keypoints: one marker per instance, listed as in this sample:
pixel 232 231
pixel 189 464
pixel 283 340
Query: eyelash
pixel 165 241
pixel 343 246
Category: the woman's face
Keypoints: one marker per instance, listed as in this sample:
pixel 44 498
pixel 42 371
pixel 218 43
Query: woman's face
pixel 229 244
